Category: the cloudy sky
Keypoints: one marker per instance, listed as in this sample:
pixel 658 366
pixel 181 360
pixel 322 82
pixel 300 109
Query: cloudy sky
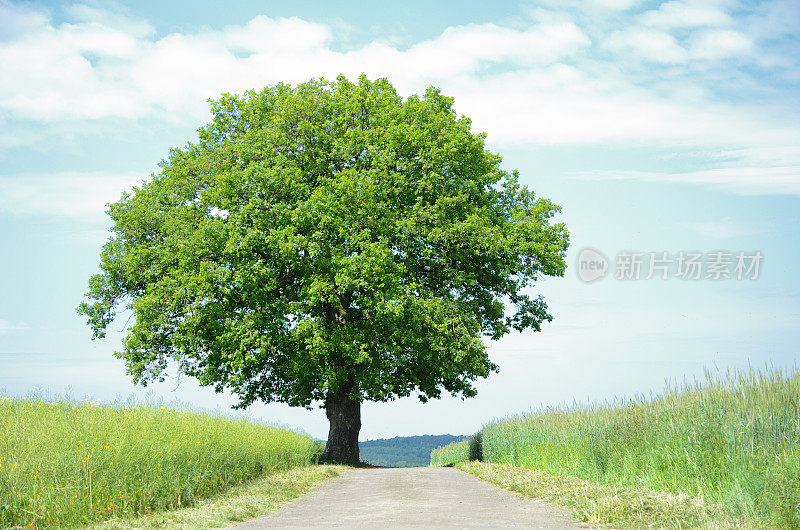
pixel 660 127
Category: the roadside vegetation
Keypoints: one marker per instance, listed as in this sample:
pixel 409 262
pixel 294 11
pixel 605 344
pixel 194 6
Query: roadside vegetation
pixel 70 464
pixel 403 451
pixel 239 503
pixel 729 441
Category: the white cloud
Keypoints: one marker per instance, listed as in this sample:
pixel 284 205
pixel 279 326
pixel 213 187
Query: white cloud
pixel 7 327
pixel 766 169
pixel 16 20
pixel 686 14
pixel 97 67
pixel 616 5
pixel 722 229
pixel 720 44
pixel 536 96
pixel 774 19
pixel 768 156
pixel 660 46
pixel 555 80
pixel 591 6
pixel 653 45
pixel 739 180
pixel 67 194
pixel 87 16
pixel 463 49
pixel 48 72
pixel 267 35
pixel 682 31
pixel 565 105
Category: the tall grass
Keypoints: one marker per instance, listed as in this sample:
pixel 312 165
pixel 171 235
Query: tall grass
pixel 451 454
pixel 732 440
pixel 68 464
pixel 464 451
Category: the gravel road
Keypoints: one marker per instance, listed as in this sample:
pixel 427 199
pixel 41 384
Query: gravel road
pixel 417 497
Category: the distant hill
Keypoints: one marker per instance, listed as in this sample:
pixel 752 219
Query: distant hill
pixel 404 451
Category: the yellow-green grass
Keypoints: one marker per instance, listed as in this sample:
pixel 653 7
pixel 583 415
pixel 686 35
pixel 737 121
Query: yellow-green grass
pixel 732 441
pixel 70 464
pixel 238 503
pixel 607 506
pixel 453 453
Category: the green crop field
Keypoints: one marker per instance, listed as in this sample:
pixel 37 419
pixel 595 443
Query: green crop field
pixel 72 464
pixel 733 441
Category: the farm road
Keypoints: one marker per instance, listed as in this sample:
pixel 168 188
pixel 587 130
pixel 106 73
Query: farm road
pixel 418 497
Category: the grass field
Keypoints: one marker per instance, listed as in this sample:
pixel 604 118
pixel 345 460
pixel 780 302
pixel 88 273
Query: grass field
pixel 72 464
pixel 238 503
pixel 732 441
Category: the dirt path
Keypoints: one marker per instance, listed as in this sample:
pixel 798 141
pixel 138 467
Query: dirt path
pixel 418 497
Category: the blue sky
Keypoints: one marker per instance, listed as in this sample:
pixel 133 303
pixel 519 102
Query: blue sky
pixel 658 126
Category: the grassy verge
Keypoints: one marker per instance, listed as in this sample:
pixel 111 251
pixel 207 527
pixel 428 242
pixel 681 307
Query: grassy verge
pixel 454 453
pixel 600 505
pixel 65 464
pixel 237 504
pixel 730 441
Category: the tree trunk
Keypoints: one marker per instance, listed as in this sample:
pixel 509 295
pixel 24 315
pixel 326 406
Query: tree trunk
pixel 344 413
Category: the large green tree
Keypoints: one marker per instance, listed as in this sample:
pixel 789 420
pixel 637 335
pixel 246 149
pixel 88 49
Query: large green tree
pixel 327 242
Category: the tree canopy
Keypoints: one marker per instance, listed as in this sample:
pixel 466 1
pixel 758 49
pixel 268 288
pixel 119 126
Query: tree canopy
pixel 326 236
